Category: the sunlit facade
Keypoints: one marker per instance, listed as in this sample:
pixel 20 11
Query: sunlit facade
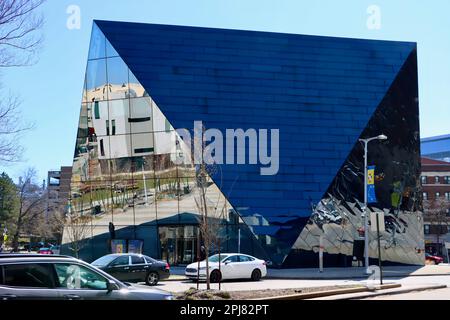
pixel 132 169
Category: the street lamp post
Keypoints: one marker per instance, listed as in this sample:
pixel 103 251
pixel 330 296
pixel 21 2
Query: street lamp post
pixel 366 219
pixel 145 185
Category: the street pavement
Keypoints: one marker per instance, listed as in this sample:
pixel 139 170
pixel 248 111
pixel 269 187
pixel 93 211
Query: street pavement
pixel 346 273
pixel 358 272
pixel 439 294
pixel 410 282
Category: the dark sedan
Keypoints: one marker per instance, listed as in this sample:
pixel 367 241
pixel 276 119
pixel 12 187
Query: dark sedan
pixel 131 267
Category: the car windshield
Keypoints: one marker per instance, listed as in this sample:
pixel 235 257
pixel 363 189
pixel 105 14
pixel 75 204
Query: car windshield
pixel 215 258
pixel 103 261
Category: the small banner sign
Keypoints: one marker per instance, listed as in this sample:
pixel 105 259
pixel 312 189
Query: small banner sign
pixel 371 198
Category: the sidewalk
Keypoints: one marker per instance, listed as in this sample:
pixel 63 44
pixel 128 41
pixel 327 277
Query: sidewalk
pixel 344 273
pixel 400 290
pixel 358 272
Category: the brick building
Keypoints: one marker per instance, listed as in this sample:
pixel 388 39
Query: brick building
pixel 435 180
pixel 58 185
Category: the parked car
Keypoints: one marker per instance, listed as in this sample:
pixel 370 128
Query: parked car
pixel 35 276
pixel 35 246
pixel 55 249
pixel 45 251
pixel 232 266
pixel 133 267
pixel 435 259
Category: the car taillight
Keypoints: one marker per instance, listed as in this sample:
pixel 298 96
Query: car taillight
pixel 167 266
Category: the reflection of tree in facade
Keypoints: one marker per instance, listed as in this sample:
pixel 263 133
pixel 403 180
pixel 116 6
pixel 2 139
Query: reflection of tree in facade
pixel 130 166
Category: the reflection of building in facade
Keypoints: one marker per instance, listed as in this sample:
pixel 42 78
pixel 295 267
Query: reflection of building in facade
pixel 322 93
pixel 437 147
pixel 58 189
pixel 435 181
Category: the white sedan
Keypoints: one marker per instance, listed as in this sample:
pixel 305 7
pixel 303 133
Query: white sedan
pixel 232 266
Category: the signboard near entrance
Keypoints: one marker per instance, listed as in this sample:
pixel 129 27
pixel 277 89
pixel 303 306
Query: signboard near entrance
pixel 118 246
pixel 135 246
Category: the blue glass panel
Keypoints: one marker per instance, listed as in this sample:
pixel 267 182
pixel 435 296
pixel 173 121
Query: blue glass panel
pixel 98 42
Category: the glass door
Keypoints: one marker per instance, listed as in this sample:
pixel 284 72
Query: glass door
pixel 178 244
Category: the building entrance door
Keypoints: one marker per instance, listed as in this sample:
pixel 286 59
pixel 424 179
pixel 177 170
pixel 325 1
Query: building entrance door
pixel 178 244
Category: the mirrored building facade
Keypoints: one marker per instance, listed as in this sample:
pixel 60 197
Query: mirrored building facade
pixel 131 169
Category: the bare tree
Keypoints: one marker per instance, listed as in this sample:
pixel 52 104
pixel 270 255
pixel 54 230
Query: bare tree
pixel 32 206
pixel 54 225
pixel 212 207
pixel 20 41
pixel 11 130
pixel 76 232
pixel 20 38
pixel 437 213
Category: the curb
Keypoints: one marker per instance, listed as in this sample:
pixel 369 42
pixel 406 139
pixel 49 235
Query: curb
pixel 431 287
pixel 175 279
pixel 318 294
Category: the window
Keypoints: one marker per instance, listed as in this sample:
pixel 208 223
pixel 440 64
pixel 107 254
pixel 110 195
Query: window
pixel 215 258
pixel 53 181
pixel 96 110
pixel 137 260
pixel 107 127
pixel 436 179
pixel 113 127
pixel 447 196
pixel 437 195
pixel 139 119
pixel 102 149
pixel 121 261
pixel 143 150
pixel 232 259
pixel 423 179
pixel 31 275
pixel 73 276
pixel 245 259
pixel 425 195
pixel 426 228
pixel 149 260
pixel 447 180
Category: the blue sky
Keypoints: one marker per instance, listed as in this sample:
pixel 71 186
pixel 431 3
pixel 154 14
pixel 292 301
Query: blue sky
pixel 51 89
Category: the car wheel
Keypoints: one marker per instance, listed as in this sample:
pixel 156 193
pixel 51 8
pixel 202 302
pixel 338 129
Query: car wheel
pixel 256 275
pixel 152 278
pixel 215 276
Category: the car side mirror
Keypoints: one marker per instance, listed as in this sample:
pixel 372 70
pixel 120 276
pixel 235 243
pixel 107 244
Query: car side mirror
pixel 111 286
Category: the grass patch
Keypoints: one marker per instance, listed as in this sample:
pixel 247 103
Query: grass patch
pixel 194 294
